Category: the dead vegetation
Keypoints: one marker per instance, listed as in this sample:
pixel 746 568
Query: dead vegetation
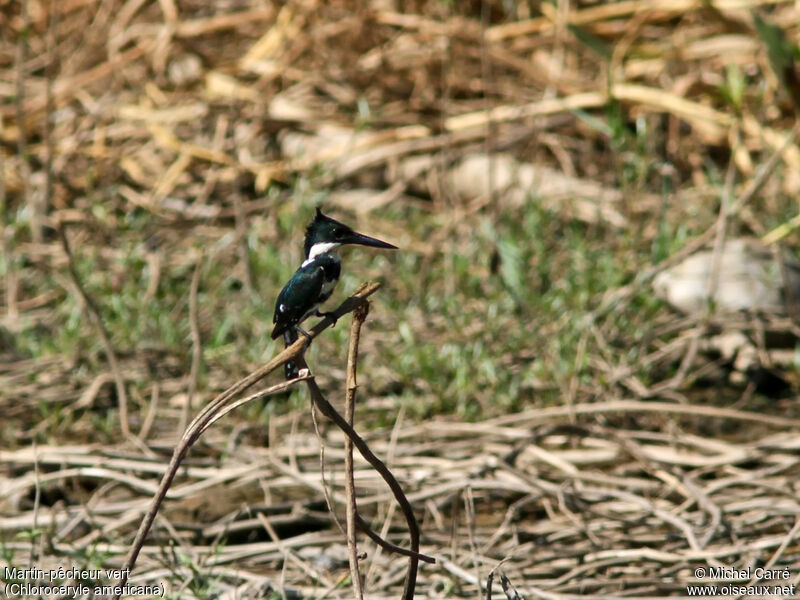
pixel 173 142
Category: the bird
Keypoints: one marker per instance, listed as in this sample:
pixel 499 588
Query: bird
pixel 313 282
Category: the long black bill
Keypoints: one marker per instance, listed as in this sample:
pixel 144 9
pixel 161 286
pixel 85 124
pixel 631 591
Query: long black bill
pixel 365 240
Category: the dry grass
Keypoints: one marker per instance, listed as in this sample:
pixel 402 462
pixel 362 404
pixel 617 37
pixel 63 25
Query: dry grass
pixel 574 510
pixel 178 147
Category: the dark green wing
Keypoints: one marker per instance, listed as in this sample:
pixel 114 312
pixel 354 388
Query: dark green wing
pixel 298 297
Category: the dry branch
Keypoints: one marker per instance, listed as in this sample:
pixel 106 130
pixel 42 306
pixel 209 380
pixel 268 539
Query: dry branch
pixel 359 315
pixel 222 404
pixel 413 553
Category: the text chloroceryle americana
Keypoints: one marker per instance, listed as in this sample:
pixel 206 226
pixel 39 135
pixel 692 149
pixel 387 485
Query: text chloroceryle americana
pixel 313 283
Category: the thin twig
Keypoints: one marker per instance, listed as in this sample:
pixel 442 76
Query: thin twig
pixel 6 235
pixel 765 171
pixel 190 436
pixel 197 343
pixel 470 518
pixel 329 411
pixel 150 417
pixel 22 146
pixel 359 315
pixel 241 244
pixel 365 528
pixel 718 248
pixel 94 317
pixel 326 490
pixel 50 73
pixel 635 406
pixel 37 499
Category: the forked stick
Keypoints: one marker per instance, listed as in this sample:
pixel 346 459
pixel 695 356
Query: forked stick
pixel 223 404
pixel 414 556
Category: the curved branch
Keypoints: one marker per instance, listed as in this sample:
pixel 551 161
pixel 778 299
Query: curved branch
pixel 222 404
pixel 329 411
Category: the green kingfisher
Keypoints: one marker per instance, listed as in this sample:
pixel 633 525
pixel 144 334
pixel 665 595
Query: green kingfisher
pixel 313 283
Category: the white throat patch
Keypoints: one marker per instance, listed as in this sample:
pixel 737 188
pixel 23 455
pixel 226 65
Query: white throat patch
pixel 320 248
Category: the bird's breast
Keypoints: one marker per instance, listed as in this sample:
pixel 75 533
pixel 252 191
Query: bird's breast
pixel 327 287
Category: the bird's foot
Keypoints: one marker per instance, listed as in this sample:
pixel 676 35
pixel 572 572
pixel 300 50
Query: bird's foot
pixel 305 334
pixel 331 315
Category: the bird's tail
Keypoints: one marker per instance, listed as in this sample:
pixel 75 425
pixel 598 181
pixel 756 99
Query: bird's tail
pixel 289 367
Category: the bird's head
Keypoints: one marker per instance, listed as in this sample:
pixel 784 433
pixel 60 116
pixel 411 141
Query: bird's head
pixel 325 234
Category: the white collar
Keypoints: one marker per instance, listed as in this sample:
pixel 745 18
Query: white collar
pixel 320 248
